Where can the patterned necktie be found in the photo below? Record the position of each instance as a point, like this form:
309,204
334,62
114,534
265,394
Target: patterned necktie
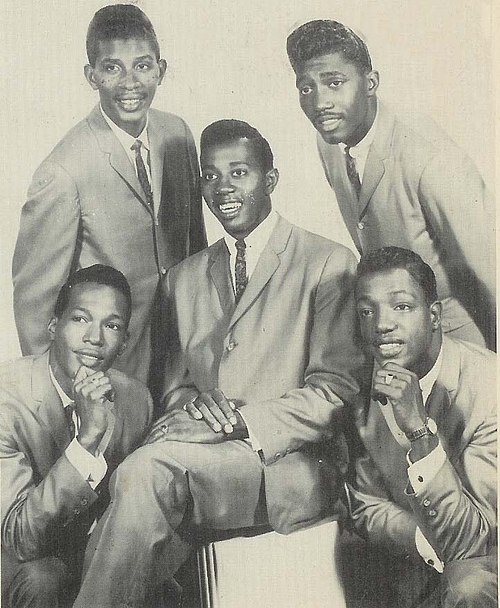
352,172
68,412
141,172
240,270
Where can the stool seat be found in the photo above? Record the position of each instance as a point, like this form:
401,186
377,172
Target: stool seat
272,570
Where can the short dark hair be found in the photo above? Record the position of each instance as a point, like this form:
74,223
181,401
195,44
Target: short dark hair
119,22
98,273
389,258
323,36
230,130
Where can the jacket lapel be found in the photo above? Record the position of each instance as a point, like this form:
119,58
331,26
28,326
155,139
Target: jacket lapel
118,159
220,272
49,409
267,265
156,156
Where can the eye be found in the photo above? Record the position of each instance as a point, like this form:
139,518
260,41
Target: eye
209,177
79,319
403,307
143,66
239,172
305,90
114,326
112,68
365,312
333,84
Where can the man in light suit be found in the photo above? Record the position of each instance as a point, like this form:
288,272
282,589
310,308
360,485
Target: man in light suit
99,198
424,496
261,364
66,421
398,185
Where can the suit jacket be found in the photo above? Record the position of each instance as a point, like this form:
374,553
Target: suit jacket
285,353
86,206
456,510
421,192
47,506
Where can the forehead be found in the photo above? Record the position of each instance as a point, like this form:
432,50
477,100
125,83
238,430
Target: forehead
124,49
229,153
327,64
98,299
387,284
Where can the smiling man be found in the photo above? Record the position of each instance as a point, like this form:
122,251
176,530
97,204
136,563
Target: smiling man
425,490
121,188
260,367
397,183
66,421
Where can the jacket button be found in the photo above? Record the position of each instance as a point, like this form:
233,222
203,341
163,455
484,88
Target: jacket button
231,346
84,501
163,270
432,513
361,225
277,455
426,502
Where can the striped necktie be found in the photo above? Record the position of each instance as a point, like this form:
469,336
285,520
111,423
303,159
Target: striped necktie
352,172
240,269
142,174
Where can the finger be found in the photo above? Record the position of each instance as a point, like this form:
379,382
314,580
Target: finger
99,393
211,402
225,406
89,380
397,370
192,410
81,373
209,418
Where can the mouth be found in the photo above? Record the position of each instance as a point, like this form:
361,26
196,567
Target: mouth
230,208
388,350
328,122
129,104
89,358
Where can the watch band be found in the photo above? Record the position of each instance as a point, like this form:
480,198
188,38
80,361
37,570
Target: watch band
423,430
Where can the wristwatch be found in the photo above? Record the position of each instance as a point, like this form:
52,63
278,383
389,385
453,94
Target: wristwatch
429,428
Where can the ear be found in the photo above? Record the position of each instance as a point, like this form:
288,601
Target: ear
124,345
89,72
435,310
372,81
272,178
163,69
51,328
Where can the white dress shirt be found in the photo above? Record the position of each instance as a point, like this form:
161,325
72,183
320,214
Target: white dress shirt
91,468
359,152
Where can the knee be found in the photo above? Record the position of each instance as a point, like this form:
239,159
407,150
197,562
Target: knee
39,584
470,588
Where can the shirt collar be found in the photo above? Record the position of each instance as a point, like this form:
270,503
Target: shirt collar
258,238
125,138
428,381
362,147
62,395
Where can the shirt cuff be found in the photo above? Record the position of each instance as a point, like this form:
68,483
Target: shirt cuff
426,552
423,471
91,468
252,439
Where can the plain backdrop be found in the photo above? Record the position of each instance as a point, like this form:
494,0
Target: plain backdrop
227,59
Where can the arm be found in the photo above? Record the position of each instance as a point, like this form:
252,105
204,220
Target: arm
309,413
44,252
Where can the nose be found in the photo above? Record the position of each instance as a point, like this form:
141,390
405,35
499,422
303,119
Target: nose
323,99
225,185
385,322
129,79
94,334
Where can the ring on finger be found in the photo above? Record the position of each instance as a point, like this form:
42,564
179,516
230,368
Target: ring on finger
164,428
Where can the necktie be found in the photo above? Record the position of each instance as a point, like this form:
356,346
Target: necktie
68,412
141,172
352,172
240,270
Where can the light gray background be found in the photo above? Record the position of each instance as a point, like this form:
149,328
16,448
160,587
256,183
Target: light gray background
227,59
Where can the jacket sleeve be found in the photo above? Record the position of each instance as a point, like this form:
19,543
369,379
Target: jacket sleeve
44,252
461,214
32,511
460,521
308,413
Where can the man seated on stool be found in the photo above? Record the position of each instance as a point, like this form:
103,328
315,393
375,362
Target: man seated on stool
52,480
425,490
261,363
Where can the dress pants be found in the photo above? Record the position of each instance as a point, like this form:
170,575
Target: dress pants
160,495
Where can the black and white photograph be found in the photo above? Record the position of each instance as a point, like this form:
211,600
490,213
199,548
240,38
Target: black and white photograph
248,268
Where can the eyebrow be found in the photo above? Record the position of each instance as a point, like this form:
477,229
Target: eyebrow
136,59
113,315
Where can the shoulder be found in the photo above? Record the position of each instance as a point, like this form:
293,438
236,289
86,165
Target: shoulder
318,249
132,397
196,264
16,378
173,124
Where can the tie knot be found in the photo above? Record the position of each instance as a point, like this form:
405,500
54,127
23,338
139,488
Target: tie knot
241,245
136,146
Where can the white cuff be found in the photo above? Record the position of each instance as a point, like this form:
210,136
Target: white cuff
424,470
91,468
426,551
252,439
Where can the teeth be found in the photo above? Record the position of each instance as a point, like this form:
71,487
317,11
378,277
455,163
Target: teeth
390,348
229,207
129,103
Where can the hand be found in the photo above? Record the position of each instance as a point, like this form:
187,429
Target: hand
215,409
179,426
93,394
402,388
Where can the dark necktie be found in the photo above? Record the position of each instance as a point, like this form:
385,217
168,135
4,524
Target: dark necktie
352,172
142,174
240,270
68,412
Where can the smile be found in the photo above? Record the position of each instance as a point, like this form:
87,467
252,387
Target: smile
230,208
130,104
88,358
388,350
328,122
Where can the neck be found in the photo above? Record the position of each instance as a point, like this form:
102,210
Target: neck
64,382
424,366
365,126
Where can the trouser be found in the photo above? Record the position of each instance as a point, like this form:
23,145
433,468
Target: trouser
374,579
159,495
